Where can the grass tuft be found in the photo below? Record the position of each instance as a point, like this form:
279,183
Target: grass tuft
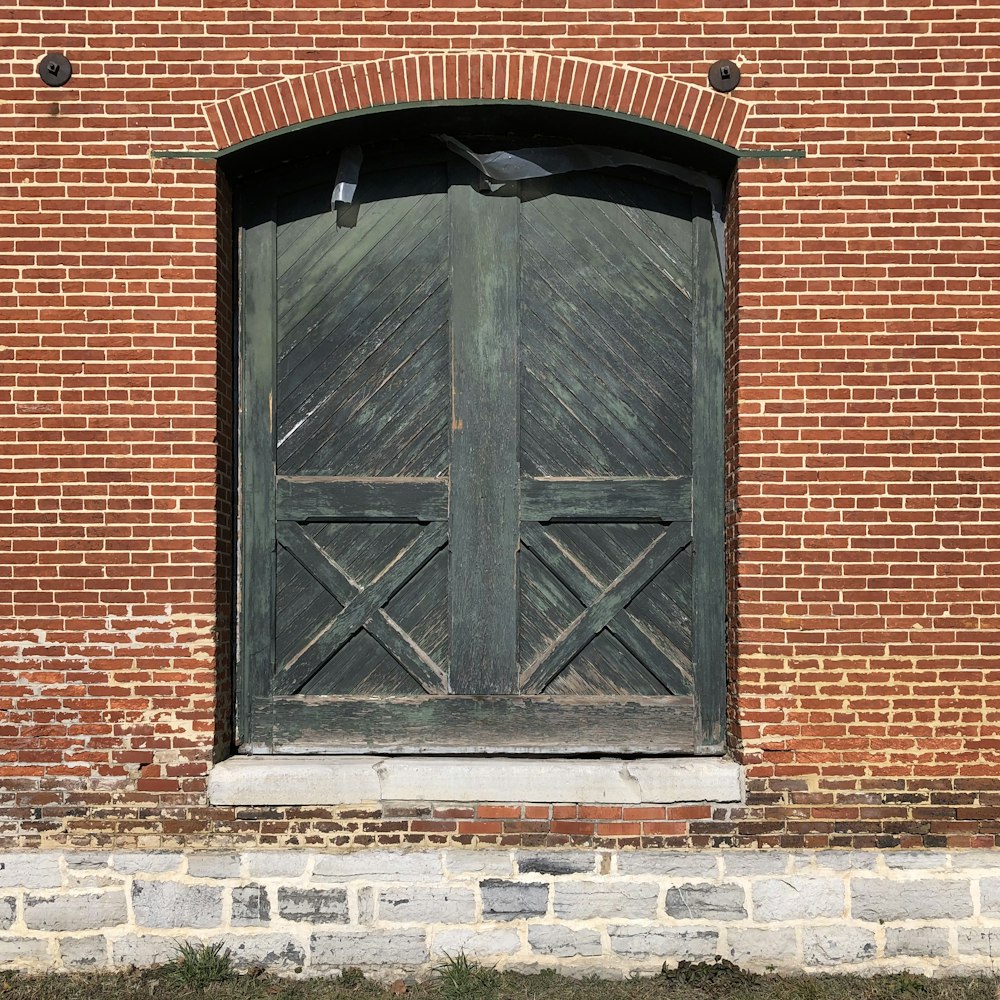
460,979
199,965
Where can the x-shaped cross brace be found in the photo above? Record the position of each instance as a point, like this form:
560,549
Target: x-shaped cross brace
363,608
604,605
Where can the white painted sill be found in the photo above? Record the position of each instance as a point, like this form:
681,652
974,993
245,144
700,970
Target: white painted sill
329,781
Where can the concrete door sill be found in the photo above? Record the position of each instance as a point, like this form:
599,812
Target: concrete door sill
328,781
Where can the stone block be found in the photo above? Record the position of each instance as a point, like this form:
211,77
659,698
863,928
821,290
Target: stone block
616,900
87,861
30,871
556,862
837,861
146,862
82,911
8,910
84,952
513,900
981,941
989,897
170,904
483,945
983,860
760,948
664,944
313,906
675,864
879,900
205,865
917,860
144,950
797,897
366,904
22,950
427,905
702,901
275,864
750,863
268,951
251,906
381,866
369,948
564,942
826,946
916,942
475,863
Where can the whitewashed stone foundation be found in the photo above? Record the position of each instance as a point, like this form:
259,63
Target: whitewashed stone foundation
583,912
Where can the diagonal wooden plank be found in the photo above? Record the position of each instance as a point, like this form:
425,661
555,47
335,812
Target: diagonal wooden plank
665,664
360,609
383,629
537,675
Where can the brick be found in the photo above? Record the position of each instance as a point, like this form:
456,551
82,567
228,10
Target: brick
587,900
513,900
169,904
314,906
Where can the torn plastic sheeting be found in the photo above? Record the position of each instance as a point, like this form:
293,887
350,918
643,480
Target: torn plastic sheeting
348,170
505,166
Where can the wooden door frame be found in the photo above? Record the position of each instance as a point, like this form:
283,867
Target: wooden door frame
254,364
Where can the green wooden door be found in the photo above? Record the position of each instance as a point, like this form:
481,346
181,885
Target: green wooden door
481,465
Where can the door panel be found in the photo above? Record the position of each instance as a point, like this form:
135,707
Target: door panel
471,469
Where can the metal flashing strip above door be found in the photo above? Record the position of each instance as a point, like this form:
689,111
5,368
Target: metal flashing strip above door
481,461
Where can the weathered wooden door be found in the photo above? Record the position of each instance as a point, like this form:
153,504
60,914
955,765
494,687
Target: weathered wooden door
481,458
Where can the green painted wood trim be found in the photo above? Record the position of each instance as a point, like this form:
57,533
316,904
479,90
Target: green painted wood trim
709,580
255,421
498,724
484,438
539,674
612,499
318,498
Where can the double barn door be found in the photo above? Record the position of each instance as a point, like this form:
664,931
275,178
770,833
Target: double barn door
481,465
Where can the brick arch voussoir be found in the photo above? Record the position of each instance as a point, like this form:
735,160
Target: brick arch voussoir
521,76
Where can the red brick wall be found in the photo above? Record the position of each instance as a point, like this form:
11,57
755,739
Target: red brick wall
864,390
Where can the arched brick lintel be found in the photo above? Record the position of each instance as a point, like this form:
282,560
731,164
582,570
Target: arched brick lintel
520,76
